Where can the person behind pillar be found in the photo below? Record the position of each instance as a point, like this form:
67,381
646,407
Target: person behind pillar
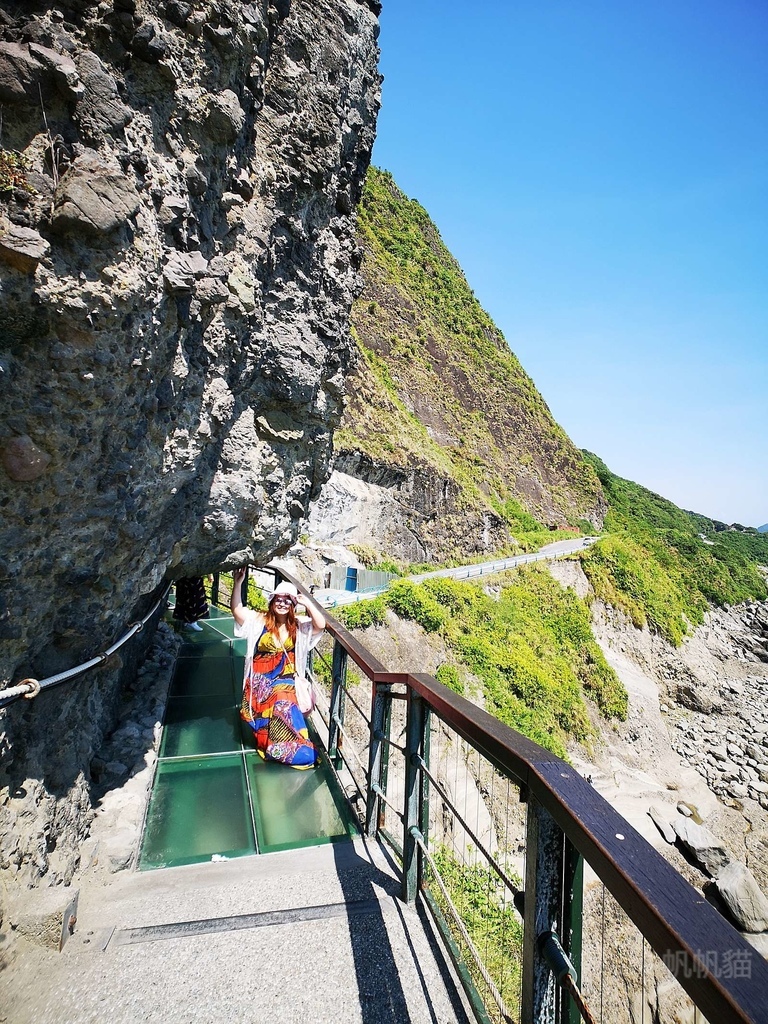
191,602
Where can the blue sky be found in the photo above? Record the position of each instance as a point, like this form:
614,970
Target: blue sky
600,171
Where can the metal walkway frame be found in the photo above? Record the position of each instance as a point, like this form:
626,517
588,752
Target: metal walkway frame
569,824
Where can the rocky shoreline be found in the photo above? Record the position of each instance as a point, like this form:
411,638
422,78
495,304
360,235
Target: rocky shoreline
712,692
730,749
694,746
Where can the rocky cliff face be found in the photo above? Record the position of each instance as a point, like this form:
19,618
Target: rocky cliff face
413,512
444,435
177,265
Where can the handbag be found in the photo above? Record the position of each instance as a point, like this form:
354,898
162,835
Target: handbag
305,694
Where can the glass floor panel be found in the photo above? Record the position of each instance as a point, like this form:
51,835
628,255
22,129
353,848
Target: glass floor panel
199,807
296,808
224,626
200,725
212,794
209,648
217,613
208,634
195,677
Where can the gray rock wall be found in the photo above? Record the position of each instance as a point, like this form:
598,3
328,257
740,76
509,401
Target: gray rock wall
411,513
177,265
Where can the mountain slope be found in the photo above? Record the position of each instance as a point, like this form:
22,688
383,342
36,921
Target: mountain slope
665,566
439,409
447,449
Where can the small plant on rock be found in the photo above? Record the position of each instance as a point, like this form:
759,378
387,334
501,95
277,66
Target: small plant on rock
12,172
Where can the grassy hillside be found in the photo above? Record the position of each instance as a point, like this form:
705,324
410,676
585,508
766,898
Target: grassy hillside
437,392
663,565
531,645
436,385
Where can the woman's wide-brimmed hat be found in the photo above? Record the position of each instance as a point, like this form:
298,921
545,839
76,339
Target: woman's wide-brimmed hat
285,590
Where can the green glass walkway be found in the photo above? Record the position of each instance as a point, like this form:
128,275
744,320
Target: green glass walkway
213,797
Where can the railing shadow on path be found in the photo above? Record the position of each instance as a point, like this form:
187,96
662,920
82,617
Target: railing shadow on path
388,990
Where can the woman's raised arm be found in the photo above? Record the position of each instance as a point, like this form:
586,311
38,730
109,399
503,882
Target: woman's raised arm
314,612
236,605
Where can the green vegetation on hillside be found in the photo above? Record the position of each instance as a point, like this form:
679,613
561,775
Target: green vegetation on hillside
409,245
663,566
484,906
437,393
437,387
532,647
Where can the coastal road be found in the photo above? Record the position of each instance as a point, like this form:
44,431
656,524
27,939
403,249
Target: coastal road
334,598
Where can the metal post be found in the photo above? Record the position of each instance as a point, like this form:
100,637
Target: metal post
338,683
215,589
385,750
424,825
414,797
378,757
571,939
540,1003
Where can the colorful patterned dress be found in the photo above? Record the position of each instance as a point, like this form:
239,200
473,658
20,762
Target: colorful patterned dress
269,704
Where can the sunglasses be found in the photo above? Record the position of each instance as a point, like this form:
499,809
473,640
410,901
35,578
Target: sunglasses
283,600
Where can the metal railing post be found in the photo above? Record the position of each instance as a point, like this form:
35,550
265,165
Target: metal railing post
573,918
414,796
424,824
540,998
386,692
336,712
378,757
215,589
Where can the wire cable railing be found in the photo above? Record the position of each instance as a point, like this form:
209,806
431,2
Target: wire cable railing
30,688
498,999
514,889
568,825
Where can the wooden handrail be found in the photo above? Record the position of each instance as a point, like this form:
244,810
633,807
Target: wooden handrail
675,918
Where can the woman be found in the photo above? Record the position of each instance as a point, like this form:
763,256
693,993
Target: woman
278,645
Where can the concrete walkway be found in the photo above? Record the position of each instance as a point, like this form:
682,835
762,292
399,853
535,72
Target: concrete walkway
315,934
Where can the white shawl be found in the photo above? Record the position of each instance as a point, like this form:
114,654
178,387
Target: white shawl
253,626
